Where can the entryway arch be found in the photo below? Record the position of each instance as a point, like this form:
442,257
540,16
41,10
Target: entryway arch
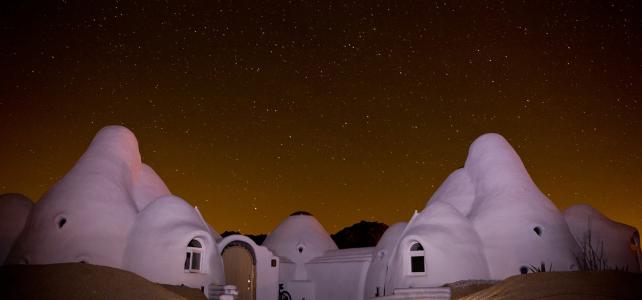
239,262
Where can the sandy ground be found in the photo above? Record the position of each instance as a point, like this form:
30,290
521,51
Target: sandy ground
565,285
83,281
463,288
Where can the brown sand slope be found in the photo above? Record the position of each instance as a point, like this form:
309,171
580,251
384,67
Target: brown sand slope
82,281
566,285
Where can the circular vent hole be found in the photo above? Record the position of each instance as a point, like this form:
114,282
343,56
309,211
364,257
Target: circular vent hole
538,230
61,221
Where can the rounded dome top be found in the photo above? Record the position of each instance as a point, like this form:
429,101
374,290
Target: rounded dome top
158,241
583,212
389,238
300,237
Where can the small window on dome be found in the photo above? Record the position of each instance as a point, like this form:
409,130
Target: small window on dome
193,256
538,230
61,220
194,243
417,259
416,247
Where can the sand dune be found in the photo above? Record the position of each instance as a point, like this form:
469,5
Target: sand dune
566,285
83,281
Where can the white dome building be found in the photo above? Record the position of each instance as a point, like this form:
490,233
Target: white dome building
170,243
518,226
616,245
87,215
377,271
299,238
14,211
111,209
439,245
487,220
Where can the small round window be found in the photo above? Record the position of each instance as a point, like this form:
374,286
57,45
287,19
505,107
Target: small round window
61,221
538,230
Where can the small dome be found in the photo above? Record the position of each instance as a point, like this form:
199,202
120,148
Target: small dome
616,240
158,241
390,237
300,237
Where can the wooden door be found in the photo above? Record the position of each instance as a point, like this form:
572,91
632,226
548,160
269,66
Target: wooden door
240,271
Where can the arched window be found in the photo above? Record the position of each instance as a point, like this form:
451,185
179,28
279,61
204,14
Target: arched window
417,259
193,256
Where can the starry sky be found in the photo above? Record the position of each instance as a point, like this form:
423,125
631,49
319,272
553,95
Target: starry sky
349,110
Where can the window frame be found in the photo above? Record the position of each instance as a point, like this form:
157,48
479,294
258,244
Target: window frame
190,257
412,253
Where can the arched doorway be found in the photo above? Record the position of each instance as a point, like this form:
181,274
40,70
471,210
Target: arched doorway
240,269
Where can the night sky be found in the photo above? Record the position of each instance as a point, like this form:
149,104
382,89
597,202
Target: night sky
351,111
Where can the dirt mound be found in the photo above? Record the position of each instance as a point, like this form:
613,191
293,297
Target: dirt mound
83,281
566,285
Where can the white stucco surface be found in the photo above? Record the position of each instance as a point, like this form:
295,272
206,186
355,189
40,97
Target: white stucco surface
299,231
505,207
111,209
380,261
94,200
452,250
158,240
616,241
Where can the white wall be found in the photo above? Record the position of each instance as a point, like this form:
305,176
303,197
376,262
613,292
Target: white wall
452,250
612,237
95,199
340,274
380,261
157,245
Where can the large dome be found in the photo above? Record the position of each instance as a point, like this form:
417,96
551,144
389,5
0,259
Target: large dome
87,215
493,190
300,238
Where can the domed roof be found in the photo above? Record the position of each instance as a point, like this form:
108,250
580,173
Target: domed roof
451,243
159,238
390,237
615,239
493,189
300,237
87,214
